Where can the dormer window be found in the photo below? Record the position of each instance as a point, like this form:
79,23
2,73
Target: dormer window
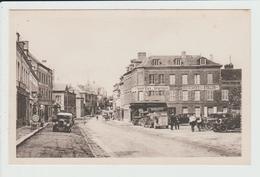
177,61
156,62
202,61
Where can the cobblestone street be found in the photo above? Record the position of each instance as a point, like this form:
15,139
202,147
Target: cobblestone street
55,144
100,138
121,139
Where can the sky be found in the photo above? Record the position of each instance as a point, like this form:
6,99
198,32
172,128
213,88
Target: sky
97,45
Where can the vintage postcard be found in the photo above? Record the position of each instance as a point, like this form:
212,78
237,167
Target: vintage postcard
130,86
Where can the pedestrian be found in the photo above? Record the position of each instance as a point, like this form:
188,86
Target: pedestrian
97,117
192,120
177,122
199,123
173,120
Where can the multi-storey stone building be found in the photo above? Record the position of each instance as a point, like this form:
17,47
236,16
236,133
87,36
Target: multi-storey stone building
179,83
27,84
45,81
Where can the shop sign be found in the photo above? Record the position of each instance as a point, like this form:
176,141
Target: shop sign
150,88
200,87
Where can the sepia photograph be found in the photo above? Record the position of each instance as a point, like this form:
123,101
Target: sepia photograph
139,85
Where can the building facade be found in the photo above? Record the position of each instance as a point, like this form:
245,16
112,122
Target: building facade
179,83
65,98
91,103
22,84
45,83
231,89
80,102
27,84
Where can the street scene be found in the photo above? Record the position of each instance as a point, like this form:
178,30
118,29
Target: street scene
82,94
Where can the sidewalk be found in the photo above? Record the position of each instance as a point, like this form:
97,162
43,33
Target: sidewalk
26,132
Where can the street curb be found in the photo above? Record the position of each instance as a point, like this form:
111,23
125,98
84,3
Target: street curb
24,138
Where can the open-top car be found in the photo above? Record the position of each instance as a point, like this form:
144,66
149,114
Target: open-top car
63,122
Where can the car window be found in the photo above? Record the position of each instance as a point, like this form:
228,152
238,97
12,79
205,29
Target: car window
63,117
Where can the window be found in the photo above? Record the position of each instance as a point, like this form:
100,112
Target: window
197,111
140,96
197,95
185,110
224,95
202,61
161,78
209,95
177,61
151,78
210,78
185,95
172,79
160,93
185,79
156,62
225,110
151,93
58,99
210,110
172,95
196,79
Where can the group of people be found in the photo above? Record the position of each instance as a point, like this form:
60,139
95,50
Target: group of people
193,121
175,121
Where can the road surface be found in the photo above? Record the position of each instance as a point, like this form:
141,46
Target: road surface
55,144
100,138
120,139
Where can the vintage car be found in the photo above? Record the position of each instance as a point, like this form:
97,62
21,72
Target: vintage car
221,122
63,122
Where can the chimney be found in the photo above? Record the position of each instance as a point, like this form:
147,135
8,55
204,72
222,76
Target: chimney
141,55
17,37
211,57
183,54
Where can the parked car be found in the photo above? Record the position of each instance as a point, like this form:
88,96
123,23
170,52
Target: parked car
63,122
221,122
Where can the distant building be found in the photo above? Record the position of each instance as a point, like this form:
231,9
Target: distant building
176,83
65,98
231,89
80,101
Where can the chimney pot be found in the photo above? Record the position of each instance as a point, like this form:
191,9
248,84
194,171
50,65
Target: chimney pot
183,54
141,55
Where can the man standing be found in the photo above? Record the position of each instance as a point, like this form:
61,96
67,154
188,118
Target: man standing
177,122
173,120
192,120
199,123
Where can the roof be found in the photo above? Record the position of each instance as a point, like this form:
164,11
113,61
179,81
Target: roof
167,61
62,87
38,62
25,57
231,74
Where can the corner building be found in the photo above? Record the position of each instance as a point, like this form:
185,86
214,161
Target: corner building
178,83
